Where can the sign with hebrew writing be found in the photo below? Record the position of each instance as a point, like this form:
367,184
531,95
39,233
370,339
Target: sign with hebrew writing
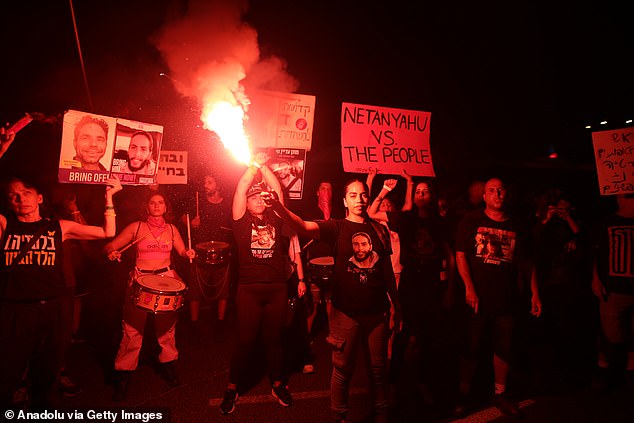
614,156
172,168
390,140
281,120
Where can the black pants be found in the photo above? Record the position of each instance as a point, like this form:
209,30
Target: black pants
260,307
33,338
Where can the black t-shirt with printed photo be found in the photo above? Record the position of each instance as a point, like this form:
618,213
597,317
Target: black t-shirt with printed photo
262,255
357,289
495,251
613,239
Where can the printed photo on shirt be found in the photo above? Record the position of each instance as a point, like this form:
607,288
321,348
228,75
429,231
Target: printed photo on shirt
364,258
262,240
495,246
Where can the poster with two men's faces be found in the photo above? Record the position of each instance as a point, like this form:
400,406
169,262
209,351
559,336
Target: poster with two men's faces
95,147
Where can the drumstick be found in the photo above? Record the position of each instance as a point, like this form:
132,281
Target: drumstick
197,211
133,242
189,231
307,244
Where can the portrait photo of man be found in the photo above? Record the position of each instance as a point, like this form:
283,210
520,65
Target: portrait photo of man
90,141
140,151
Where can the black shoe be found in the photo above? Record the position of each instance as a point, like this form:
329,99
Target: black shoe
506,405
169,372
228,404
121,384
67,387
281,394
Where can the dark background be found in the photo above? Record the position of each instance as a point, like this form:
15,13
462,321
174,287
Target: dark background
507,83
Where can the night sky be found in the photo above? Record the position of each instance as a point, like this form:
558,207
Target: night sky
506,82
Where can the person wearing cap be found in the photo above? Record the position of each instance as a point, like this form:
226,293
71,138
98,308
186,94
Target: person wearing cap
263,272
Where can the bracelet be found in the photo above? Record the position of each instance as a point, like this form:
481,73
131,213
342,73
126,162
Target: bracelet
109,207
256,165
75,212
300,280
378,198
107,214
386,187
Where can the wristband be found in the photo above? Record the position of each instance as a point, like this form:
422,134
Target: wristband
113,214
75,212
108,208
386,187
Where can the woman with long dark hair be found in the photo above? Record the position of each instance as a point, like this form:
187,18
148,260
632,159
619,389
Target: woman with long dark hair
362,289
264,269
428,265
154,240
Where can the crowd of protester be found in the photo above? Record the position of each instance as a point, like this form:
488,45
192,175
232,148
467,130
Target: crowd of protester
488,274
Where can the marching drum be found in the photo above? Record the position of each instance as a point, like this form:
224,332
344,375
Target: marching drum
213,252
320,270
158,294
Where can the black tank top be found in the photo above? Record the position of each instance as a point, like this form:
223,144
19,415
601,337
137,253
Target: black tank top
39,274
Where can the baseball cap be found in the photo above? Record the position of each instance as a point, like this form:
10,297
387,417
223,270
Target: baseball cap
255,189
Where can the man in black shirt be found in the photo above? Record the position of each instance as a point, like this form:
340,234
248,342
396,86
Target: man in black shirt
491,251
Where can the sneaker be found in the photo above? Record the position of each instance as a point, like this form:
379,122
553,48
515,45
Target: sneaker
67,387
228,404
169,371
308,368
506,405
281,394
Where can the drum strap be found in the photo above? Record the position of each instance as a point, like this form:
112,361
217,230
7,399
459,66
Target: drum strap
155,271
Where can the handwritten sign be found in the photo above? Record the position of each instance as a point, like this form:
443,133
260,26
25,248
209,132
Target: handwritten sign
390,140
614,156
172,168
281,120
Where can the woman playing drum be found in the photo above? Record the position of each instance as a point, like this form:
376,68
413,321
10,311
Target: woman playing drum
154,240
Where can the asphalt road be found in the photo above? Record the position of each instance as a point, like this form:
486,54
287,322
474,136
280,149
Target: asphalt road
203,369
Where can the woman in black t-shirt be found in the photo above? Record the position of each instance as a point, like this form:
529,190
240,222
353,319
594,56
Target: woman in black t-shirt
263,272
363,278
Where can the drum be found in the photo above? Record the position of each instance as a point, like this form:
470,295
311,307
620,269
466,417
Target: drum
158,294
320,270
213,252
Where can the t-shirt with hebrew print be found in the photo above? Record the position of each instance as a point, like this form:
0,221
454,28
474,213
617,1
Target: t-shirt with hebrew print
613,239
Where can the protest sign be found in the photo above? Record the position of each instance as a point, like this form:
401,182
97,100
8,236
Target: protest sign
94,147
281,120
614,156
172,168
289,166
137,151
390,140
87,146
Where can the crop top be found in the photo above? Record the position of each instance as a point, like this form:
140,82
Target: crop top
155,248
